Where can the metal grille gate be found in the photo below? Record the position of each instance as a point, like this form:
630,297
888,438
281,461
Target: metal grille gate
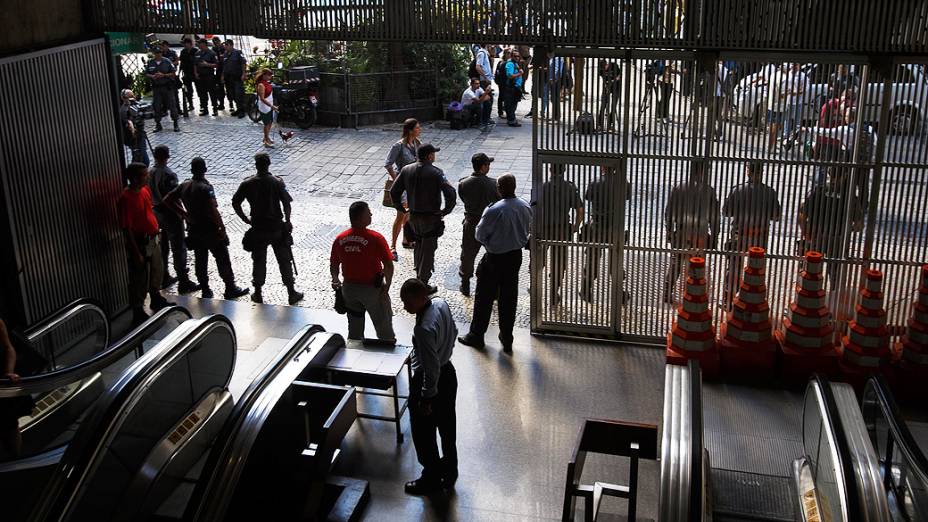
617,130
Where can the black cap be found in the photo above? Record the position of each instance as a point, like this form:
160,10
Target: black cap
427,149
156,48
480,159
198,165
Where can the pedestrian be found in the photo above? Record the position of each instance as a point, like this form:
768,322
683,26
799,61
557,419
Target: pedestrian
827,148
691,221
266,107
555,73
424,184
133,127
775,81
432,390
220,52
558,198
478,104
188,65
610,73
503,231
162,180
160,71
143,253
11,408
403,152
482,64
366,266
266,194
847,140
205,74
606,196
477,192
752,206
664,72
171,55
194,201
721,95
795,90
501,82
512,89
234,70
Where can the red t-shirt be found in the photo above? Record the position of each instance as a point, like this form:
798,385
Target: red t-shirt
134,211
362,254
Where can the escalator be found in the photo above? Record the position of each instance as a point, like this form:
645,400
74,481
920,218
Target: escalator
835,478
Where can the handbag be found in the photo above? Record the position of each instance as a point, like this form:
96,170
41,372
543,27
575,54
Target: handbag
387,198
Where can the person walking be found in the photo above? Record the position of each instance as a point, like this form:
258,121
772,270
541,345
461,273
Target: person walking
266,107
162,180
234,69
424,184
133,127
558,198
433,389
504,231
477,192
266,194
402,153
365,263
606,195
194,201
752,206
205,75
188,65
691,221
140,231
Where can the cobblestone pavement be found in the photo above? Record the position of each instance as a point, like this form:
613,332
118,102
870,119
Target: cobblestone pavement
326,169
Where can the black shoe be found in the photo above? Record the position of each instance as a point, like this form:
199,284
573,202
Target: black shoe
514,124
294,297
433,289
256,296
241,114
186,114
207,293
204,112
222,107
233,292
422,486
176,126
186,286
138,316
506,342
500,114
167,281
215,112
529,115
158,302
158,127
465,287
471,340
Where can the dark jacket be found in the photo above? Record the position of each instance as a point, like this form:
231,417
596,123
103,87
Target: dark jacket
424,184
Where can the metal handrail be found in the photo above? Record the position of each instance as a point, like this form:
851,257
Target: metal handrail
66,312
61,495
227,460
61,377
697,493
681,447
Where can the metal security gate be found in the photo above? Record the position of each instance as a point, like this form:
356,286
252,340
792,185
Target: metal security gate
709,154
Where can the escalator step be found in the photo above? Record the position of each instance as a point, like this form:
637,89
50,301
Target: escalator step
738,495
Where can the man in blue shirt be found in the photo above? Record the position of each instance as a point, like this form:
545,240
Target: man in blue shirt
503,231
432,389
512,91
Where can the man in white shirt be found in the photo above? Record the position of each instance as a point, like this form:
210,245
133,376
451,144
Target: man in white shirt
795,89
774,81
477,102
484,69
721,97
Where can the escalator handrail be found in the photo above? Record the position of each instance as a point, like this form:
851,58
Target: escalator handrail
229,454
80,459
66,312
842,453
696,443
55,379
902,437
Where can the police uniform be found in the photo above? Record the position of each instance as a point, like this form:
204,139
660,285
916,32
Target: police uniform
424,184
477,191
206,80
233,66
557,199
825,222
265,193
161,181
172,55
606,195
188,59
137,143
692,222
162,89
220,51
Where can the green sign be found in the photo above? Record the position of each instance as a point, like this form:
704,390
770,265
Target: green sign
125,43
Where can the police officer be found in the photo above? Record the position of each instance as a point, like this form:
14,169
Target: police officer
133,126
220,52
606,196
162,74
188,61
266,194
234,69
424,184
205,74
751,206
558,198
477,191
161,181
170,54
195,201
691,220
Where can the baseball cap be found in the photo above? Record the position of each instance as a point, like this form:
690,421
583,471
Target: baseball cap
427,149
480,159
156,48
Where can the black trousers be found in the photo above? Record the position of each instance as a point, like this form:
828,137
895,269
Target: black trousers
172,243
469,247
235,90
497,280
206,91
443,420
220,252
512,95
281,252
663,103
188,93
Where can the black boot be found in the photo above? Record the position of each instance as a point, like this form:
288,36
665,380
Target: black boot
256,295
465,286
293,297
158,127
157,301
176,126
186,286
233,291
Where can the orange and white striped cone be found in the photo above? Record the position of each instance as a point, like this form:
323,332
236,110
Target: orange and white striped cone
865,349
747,345
807,340
913,348
692,335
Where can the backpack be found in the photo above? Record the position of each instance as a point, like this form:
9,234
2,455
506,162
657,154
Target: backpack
500,76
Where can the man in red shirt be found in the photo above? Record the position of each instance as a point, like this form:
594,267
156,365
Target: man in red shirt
832,115
140,229
366,265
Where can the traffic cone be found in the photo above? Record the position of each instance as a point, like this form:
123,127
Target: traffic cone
864,351
807,339
747,346
692,335
913,348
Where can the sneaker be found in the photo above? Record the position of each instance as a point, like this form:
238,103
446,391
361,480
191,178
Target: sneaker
206,293
186,286
294,297
465,287
233,292
167,281
471,340
256,296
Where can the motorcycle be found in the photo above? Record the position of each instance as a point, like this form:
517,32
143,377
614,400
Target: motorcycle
297,99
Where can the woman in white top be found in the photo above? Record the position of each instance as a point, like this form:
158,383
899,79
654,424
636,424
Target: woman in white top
266,107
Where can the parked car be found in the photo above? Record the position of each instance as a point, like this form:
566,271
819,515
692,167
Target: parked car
908,97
